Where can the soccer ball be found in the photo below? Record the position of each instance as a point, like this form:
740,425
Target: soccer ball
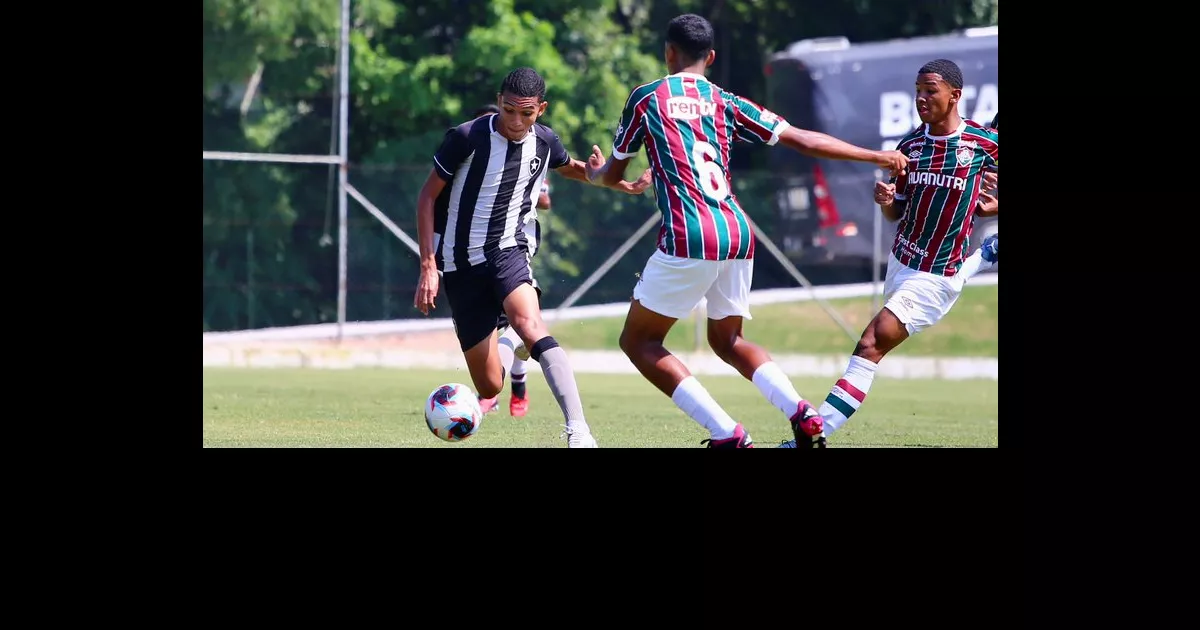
452,412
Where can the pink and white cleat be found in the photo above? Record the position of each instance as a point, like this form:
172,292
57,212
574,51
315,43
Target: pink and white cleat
739,439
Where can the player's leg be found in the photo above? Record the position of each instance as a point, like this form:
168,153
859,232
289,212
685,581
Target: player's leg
972,265
474,312
483,362
982,259
513,349
915,301
518,403
669,288
505,346
883,333
514,280
728,305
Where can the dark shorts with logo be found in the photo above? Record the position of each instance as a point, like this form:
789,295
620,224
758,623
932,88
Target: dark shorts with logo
476,294
534,243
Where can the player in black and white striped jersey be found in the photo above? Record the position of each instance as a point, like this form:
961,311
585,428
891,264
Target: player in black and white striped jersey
494,166
518,403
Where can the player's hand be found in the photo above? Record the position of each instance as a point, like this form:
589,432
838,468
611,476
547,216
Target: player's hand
427,289
990,180
595,162
894,161
988,205
643,182
885,193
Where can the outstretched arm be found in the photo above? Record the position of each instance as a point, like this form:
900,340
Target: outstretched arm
753,123
574,169
607,174
626,143
820,145
577,170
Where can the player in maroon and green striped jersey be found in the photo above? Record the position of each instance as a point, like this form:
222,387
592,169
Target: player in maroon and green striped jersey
988,253
706,244
935,204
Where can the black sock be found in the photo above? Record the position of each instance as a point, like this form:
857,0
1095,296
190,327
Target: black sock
518,385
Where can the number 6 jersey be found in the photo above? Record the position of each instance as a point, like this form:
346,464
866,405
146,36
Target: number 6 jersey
687,124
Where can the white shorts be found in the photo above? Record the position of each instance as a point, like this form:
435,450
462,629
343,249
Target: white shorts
918,298
672,286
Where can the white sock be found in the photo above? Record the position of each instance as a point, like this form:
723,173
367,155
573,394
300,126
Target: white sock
512,339
973,265
777,388
517,378
507,355
848,394
696,402
518,369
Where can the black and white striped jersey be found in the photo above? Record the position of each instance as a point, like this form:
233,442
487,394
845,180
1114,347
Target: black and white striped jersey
493,184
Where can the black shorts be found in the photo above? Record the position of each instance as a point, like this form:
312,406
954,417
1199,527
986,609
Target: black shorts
503,321
533,240
476,294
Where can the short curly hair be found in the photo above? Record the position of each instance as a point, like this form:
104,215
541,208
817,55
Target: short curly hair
524,82
948,69
691,35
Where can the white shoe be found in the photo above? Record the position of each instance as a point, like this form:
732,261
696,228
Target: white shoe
579,440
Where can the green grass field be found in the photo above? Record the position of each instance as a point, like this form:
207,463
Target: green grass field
969,330
383,409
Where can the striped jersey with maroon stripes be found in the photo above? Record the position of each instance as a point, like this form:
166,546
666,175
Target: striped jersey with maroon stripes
688,124
939,193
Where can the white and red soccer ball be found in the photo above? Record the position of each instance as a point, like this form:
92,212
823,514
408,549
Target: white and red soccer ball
452,412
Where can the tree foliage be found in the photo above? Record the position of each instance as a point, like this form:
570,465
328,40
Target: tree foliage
418,68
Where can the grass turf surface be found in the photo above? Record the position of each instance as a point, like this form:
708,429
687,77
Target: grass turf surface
968,330
382,408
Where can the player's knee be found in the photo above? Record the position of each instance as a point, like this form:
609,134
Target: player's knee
881,335
865,348
721,342
529,327
627,342
866,343
632,342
